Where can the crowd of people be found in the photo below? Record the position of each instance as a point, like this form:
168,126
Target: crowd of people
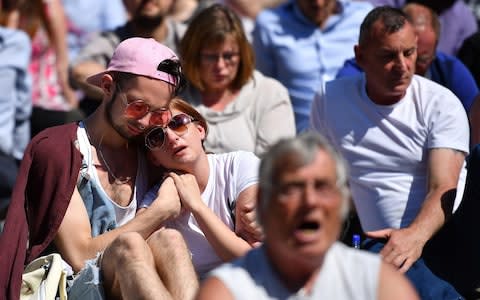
212,149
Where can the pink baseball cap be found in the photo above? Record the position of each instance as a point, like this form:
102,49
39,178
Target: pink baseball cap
140,56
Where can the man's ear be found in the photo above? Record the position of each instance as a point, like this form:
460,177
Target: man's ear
107,85
358,55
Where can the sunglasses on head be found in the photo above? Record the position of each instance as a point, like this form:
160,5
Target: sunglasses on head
155,138
139,109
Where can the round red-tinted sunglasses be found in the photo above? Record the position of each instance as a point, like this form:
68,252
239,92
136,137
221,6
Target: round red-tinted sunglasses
138,109
155,138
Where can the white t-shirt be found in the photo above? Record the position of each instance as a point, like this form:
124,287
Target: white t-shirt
386,146
230,174
346,273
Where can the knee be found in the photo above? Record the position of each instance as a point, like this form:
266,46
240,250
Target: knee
167,238
126,247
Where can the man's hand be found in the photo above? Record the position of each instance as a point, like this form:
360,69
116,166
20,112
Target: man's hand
404,246
167,199
246,225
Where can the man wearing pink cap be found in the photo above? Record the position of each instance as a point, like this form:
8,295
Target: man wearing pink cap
78,186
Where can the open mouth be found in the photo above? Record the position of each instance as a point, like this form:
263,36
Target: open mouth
179,149
307,232
309,226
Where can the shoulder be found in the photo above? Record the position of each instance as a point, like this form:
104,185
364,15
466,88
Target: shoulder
107,36
450,66
429,91
110,38
266,85
54,142
15,47
431,99
446,59
61,131
242,267
100,46
235,158
246,157
347,84
179,28
269,16
356,7
10,37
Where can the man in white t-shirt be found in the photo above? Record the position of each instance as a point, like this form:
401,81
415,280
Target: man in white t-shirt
303,197
405,139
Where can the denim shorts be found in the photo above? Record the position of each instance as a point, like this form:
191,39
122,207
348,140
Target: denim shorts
87,285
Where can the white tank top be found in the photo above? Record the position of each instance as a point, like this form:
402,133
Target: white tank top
123,213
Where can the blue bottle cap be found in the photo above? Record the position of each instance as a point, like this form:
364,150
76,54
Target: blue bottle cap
356,241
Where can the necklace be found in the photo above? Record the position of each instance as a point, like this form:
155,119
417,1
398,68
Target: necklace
117,180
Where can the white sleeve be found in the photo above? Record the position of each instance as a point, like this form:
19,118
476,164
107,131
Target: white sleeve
246,170
449,128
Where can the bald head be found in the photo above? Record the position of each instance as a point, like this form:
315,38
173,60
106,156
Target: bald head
427,27
422,17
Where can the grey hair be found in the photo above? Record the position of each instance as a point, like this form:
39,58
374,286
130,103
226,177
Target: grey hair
295,153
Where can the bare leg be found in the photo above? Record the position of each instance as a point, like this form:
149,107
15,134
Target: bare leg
129,272
174,263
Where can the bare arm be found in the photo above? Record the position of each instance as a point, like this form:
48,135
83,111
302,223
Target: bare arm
74,238
474,117
81,71
226,243
57,27
405,245
394,286
212,288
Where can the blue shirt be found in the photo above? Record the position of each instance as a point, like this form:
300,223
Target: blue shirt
15,95
302,56
90,16
446,70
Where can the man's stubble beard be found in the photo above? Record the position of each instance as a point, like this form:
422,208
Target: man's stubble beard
109,117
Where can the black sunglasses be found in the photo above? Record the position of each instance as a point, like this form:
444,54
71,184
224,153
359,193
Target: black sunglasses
155,138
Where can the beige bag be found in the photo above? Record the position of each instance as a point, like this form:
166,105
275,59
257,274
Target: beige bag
44,279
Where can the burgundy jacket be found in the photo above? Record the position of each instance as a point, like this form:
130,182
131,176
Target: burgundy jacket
45,184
